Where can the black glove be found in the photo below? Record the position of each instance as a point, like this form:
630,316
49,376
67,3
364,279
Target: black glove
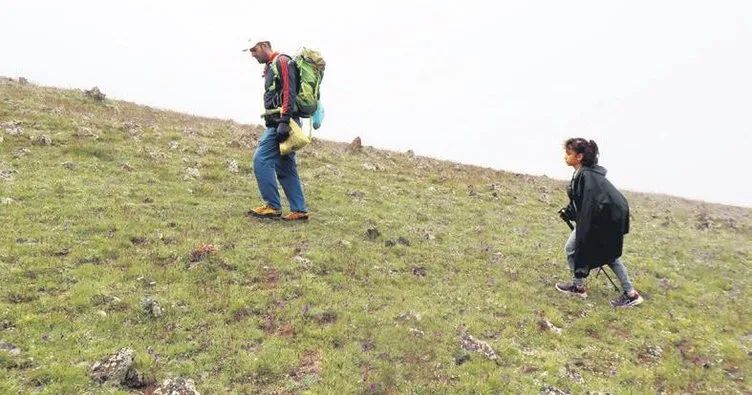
283,131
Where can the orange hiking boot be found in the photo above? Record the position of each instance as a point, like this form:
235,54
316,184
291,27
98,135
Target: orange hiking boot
265,211
296,216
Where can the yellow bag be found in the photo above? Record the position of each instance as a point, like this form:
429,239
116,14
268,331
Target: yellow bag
296,141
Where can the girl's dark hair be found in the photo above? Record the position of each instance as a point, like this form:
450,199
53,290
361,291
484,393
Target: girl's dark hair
588,149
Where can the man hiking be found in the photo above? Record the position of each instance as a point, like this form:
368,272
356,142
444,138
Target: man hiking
269,165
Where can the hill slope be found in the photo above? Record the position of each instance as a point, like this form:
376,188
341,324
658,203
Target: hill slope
407,264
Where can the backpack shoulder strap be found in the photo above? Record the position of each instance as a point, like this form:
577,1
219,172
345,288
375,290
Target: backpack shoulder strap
273,65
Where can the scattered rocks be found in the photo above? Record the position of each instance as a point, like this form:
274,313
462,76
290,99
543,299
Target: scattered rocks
302,260
328,169
152,307
7,200
12,128
232,166
179,386
654,352
173,144
21,152
369,166
355,146
42,140
202,150
469,343
416,332
191,173
69,165
10,348
7,175
570,372
546,325
95,94
551,390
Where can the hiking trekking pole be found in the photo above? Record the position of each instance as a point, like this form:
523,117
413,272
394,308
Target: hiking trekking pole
600,269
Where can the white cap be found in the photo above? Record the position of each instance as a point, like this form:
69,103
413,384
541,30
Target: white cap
252,43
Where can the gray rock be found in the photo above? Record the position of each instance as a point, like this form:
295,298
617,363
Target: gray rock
177,386
12,349
12,128
95,94
232,166
113,368
152,307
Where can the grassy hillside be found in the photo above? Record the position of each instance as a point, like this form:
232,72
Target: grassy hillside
124,226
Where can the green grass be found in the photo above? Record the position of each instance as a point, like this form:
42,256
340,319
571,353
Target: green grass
319,307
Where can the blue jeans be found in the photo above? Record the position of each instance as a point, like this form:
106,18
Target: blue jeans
269,166
616,265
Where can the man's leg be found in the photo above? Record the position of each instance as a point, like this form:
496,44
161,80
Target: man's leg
264,163
287,170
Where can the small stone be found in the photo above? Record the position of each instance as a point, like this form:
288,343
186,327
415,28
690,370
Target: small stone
368,166
345,244
302,260
355,145
95,94
10,348
152,307
232,166
69,165
7,200
42,140
372,234
177,386
356,194
546,325
405,242
192,172
462,358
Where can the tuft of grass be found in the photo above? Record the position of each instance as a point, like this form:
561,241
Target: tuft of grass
402,256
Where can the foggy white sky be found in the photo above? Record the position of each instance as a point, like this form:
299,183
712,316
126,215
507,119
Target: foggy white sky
664,87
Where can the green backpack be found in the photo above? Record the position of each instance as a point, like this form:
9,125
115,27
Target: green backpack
310,65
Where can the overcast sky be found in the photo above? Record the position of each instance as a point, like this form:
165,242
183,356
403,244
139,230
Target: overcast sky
664,87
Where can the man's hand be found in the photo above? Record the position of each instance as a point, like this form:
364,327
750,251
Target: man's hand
283,131
563,214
